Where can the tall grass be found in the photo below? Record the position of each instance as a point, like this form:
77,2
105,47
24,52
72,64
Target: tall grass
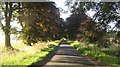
26,55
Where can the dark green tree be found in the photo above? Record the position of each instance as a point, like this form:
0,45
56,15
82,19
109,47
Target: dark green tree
99,25
40,22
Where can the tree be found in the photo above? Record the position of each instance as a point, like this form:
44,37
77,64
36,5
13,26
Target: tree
40,22
8,10
98,27
73,24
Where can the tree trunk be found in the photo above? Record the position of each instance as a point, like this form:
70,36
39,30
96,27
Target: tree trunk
8,15
28,41
7,40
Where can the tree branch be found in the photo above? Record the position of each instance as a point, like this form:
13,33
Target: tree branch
2,26
2,6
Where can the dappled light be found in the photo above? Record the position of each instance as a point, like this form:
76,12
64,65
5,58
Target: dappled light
64,33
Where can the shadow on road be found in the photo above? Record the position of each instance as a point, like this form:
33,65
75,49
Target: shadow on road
65,55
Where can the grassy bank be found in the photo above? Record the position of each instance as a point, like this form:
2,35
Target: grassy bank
95,52
26,55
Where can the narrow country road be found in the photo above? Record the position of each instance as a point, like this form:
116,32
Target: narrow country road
67,56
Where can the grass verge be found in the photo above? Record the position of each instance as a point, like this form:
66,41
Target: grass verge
27,54
101,56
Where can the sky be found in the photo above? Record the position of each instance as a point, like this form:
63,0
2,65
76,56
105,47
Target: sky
61,4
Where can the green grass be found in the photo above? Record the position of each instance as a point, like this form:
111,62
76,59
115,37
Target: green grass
101,56
27,54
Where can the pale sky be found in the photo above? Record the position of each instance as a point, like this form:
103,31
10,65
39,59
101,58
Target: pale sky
61,4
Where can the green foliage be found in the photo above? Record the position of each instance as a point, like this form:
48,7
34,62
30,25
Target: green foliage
30,35
90,39
93,28
108,59
39,23
107,7
57,41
